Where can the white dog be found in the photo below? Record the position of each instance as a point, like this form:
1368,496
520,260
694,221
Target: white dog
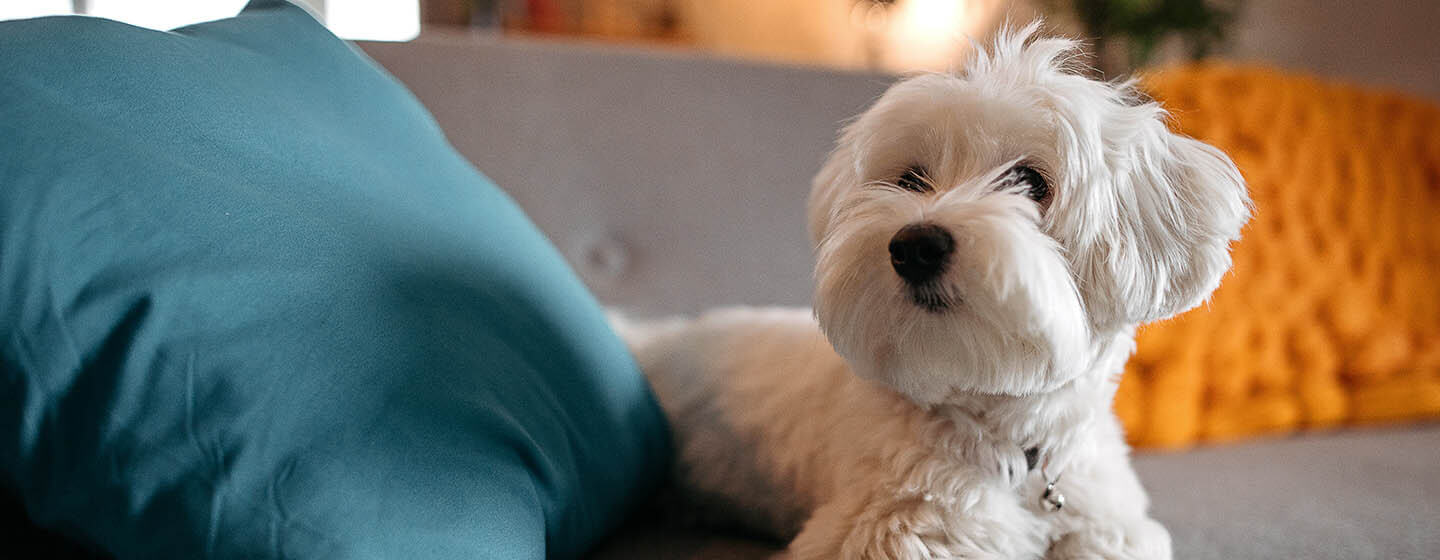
987,244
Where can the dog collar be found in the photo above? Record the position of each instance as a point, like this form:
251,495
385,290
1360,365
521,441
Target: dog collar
1051,499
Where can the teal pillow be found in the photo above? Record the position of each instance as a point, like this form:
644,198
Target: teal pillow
253,305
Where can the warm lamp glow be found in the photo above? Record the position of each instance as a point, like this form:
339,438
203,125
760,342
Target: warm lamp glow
934,34
929,18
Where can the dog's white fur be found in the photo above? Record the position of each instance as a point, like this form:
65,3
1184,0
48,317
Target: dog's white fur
897,431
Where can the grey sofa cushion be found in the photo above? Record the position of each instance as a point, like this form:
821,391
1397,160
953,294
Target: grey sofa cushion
1362,494
1365,493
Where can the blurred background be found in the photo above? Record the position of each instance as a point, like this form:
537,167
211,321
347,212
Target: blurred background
1382,42
1387,43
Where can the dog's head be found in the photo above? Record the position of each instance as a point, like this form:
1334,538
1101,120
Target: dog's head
976,232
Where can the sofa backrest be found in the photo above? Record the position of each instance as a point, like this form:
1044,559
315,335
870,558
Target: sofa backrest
672,182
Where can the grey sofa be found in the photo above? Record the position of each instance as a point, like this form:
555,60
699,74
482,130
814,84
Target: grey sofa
675,183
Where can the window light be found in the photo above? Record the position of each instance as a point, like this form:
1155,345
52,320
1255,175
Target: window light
370,20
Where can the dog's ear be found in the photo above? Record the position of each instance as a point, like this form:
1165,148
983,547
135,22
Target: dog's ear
1180,204
826,188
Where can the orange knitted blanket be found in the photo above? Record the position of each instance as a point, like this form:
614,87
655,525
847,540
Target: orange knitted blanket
1331,315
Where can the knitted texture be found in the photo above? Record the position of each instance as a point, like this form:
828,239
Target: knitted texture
1331,314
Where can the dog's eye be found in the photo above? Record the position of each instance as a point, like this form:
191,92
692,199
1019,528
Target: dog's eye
1037,188
914,179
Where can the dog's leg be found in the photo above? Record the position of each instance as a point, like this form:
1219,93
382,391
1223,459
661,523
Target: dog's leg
980,520
1105,513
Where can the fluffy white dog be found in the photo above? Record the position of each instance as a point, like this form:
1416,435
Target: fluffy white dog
987,244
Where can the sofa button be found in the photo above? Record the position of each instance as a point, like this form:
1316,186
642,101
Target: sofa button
602,259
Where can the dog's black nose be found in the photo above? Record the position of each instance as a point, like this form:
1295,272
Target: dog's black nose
919,252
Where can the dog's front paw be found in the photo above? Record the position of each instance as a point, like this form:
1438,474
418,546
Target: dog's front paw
932,537
870,527
1138,540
